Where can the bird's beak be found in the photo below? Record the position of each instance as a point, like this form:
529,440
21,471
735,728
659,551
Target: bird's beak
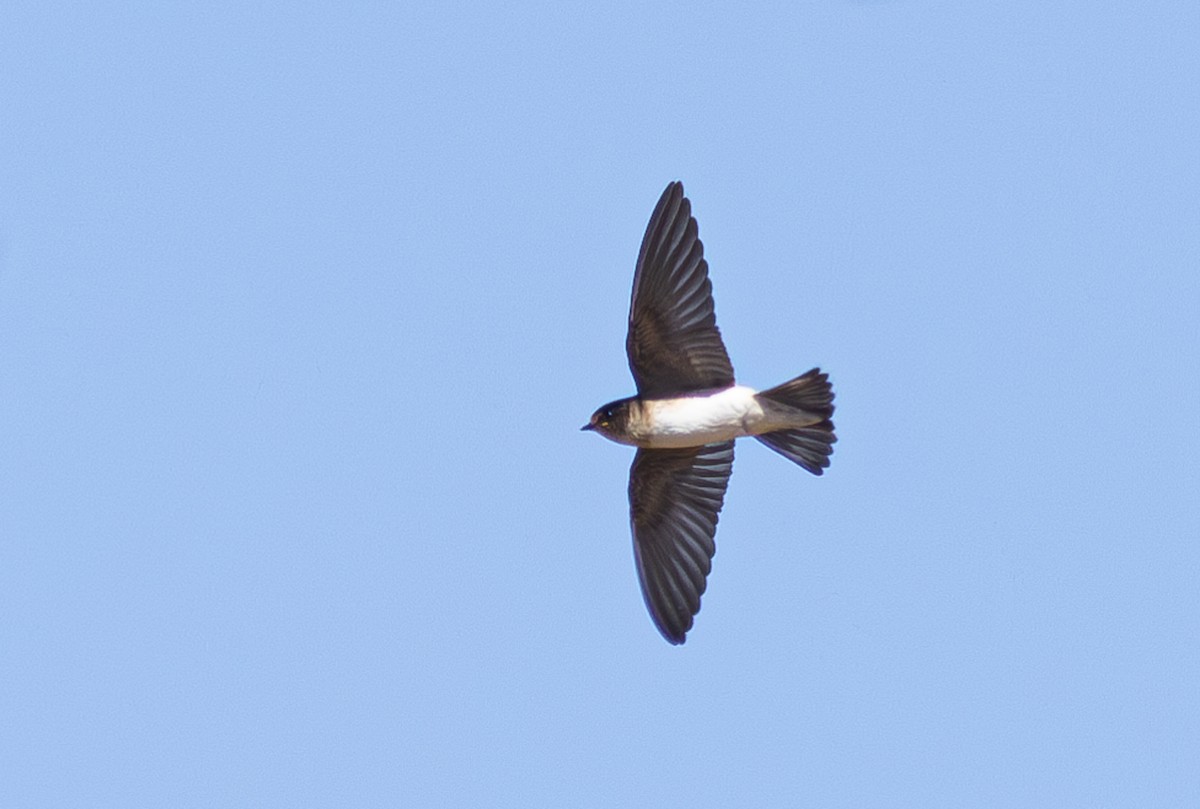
588,426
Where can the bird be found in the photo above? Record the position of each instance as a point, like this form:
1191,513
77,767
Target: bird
687,413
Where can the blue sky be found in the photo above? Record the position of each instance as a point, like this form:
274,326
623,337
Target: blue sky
301,310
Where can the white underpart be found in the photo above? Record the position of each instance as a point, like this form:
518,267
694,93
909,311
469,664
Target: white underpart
691,421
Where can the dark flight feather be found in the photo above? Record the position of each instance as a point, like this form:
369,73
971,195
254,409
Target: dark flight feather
673,343
675,496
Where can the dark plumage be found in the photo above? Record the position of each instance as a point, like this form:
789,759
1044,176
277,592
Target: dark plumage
687,412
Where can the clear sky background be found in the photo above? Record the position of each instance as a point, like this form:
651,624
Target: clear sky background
301,310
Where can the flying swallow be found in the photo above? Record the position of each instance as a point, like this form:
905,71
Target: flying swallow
687,413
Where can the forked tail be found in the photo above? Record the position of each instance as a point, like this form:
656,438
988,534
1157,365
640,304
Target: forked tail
807,403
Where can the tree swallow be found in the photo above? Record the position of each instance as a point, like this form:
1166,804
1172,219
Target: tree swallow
687,413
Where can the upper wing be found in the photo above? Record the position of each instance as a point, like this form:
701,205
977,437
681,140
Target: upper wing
674,498
673,342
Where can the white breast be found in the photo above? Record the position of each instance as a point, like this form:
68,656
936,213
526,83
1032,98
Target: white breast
691,421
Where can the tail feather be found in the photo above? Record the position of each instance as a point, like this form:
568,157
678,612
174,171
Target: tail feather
807,400
810,447
810,391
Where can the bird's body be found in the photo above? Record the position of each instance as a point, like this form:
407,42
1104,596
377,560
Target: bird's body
704,418
687,414
692,421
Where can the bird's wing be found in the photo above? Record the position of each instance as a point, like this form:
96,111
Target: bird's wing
673,343
674,498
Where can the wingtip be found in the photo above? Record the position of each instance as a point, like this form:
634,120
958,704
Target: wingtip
674,640
675,635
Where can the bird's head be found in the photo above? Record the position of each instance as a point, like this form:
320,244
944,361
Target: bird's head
611,420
